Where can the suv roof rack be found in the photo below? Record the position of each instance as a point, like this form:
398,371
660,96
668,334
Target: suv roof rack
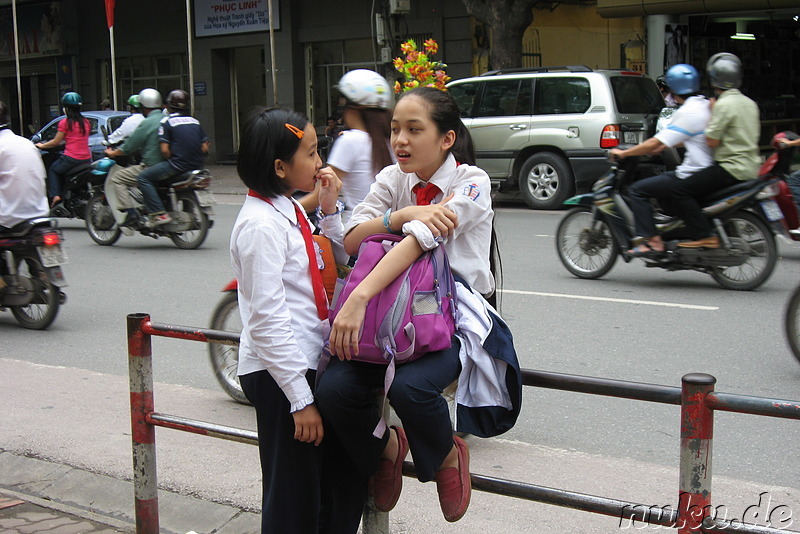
570,68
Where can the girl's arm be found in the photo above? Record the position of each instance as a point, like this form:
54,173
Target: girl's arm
54,142
346,328
440,219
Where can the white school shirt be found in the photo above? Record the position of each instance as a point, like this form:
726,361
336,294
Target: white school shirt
688,126
468,245
352,153
282,332
22,180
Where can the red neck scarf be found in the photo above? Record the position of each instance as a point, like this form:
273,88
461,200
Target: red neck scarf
425,193
320,298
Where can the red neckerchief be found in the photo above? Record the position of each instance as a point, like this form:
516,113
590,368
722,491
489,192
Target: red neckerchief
425,193
316,277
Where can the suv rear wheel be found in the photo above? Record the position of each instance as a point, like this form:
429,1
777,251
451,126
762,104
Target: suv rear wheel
546,181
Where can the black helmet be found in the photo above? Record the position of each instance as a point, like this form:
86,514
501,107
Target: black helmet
178,99
661,82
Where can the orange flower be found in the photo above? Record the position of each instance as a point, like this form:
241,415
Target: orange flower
431,46
397,87
408,46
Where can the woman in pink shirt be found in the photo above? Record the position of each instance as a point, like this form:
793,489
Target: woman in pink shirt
74,130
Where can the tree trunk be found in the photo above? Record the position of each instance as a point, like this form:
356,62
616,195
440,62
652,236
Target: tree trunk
508,19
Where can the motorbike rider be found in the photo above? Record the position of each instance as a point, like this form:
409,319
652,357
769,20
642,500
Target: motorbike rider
184,145
74,130
666,92
732,134
144,139
129,124
22,177
687,127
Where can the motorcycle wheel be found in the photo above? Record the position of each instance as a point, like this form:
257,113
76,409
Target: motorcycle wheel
753,232
42,310
194,237
791,322
100,222
224,358
585,245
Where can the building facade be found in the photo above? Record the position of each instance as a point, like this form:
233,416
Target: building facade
237,63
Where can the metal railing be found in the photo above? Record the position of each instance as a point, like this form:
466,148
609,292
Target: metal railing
696,397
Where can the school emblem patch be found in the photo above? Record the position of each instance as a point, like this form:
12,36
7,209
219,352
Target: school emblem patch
472,191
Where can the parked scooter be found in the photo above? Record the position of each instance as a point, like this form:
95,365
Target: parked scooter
187,198
31,279
601,227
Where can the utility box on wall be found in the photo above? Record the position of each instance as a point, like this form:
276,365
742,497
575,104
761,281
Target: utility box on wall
399,7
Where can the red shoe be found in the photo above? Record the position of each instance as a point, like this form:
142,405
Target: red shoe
387,482
454,485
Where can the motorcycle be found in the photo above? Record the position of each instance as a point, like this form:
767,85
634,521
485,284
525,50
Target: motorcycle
600,228
80,185
225,358
187,198
31,278
777,166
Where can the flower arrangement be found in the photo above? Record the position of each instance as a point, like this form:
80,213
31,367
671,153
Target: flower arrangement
418,69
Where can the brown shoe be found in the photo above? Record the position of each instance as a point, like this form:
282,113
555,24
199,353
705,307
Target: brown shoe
706,242
387,482
454,485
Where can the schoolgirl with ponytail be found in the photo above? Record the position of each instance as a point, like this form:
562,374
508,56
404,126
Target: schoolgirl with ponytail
435,196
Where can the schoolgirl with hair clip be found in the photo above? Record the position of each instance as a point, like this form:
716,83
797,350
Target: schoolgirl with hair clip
435,196
284,309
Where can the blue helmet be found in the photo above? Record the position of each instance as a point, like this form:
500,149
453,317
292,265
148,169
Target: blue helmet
683,79
102,166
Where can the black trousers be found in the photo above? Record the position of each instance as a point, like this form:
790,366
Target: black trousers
639,195
684,201
346,395
301,484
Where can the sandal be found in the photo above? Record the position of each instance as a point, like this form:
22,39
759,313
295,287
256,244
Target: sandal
645,250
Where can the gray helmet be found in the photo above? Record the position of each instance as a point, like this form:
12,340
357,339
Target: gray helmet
724,71
149,98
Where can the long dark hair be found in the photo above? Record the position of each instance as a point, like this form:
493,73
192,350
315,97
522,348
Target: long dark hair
74,115
378,124
445,113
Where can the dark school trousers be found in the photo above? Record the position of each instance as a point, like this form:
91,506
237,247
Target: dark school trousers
347,392
686,194
301,483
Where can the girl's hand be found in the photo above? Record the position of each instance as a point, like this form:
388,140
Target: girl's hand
440,219
330,184
308,425
346,328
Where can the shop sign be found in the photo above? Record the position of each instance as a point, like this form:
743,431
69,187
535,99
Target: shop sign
39,28
226,17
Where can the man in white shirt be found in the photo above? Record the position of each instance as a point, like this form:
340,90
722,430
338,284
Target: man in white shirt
687,127
22,177
128,125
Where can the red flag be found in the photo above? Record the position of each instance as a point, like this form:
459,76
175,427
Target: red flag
110,13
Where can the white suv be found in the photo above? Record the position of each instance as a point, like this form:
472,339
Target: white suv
546,130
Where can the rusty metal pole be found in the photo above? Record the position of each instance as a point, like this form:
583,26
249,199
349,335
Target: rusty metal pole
697,433
143,434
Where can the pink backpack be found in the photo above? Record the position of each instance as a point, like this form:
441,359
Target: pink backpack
412,316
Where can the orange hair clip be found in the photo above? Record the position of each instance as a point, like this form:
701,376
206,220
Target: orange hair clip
294,129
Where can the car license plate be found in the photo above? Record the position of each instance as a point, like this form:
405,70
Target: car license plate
205,198
52,255
631,137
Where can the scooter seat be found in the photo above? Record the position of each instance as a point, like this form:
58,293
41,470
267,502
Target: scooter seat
743,185
25,227
77,170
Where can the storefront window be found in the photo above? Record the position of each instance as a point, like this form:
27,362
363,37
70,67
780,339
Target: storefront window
164,73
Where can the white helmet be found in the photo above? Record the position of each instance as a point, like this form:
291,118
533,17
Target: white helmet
150,98
366,88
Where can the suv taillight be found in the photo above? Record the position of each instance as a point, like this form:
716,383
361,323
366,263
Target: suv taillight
610,137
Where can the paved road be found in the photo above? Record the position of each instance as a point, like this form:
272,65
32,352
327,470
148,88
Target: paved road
65,400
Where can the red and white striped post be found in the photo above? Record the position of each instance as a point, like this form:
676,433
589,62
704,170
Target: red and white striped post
140,372
697,433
